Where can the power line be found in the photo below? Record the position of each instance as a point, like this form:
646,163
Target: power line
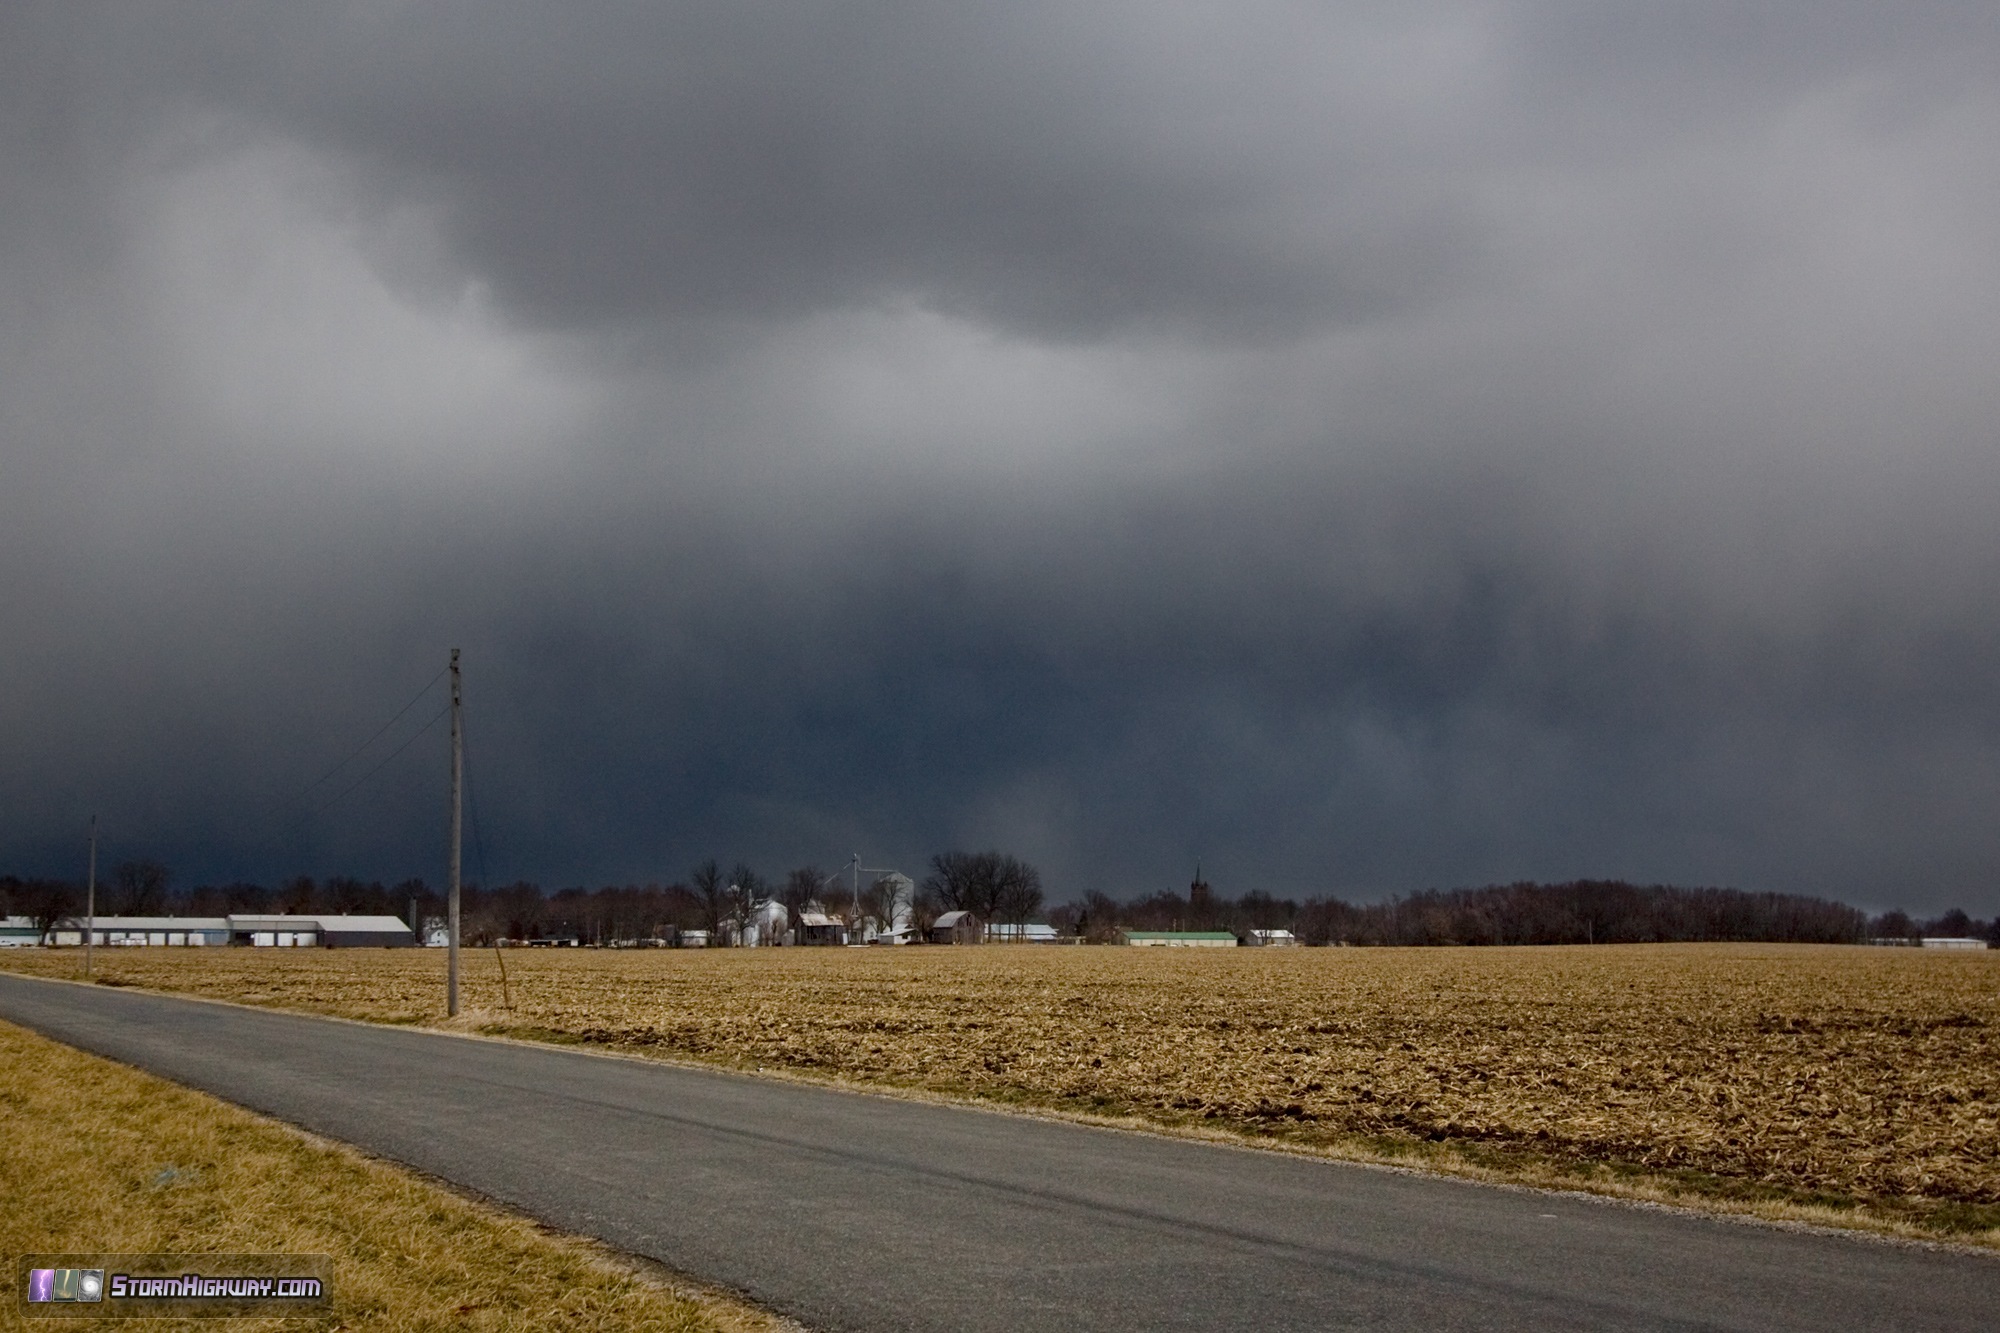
372,739
472,800
314,814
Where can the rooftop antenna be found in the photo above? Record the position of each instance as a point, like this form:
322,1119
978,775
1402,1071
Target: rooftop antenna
451,909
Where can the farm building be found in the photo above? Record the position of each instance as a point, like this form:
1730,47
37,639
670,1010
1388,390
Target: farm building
1270,939
1023,934
956,928
333,932
257,931
768,926
819,928
1952,942
168,930
1182,939
17,931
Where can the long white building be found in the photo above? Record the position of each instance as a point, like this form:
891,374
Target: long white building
255,929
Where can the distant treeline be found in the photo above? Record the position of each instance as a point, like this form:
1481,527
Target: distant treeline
1002,888
147,888
1583,912
516,911
1579,912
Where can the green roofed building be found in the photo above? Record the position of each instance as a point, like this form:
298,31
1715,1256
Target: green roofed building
1182,939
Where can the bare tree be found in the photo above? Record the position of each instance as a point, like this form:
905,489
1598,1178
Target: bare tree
245,897
1019,891
883,901
710,891
522,909
1099,918
957,881
1954,923
296,895
925,908
801,888
141,888
49,902
346,895
744,895
993,886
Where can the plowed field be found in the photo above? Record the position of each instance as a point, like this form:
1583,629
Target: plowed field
1844,1073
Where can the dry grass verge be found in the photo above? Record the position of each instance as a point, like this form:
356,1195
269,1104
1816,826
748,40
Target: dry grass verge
98,1157
1846,1085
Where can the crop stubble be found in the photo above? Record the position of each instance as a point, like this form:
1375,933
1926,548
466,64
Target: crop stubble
1842,1072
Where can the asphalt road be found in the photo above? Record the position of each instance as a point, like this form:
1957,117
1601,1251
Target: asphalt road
852,1212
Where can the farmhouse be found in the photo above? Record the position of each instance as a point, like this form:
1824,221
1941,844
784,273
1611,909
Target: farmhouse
1182,939
1270,939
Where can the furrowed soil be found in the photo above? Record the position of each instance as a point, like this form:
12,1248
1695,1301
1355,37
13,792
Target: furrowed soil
1848,1085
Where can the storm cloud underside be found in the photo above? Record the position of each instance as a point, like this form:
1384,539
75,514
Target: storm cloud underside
1365,447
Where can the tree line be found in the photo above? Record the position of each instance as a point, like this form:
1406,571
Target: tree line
994,885
148,888
999,887
1578,912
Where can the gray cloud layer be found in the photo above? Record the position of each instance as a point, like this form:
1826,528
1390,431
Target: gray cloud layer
1365,448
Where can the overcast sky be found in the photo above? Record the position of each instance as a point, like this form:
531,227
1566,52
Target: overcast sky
1365,447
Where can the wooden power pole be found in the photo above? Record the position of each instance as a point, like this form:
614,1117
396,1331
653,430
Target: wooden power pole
90,900
451,909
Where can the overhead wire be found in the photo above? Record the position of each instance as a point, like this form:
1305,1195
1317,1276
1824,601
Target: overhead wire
413,738
472,801
362,748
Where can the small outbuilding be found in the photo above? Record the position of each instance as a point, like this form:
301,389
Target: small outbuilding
956,927
819,928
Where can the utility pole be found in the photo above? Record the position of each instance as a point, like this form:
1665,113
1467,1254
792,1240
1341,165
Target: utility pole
90,901
854,909
451,910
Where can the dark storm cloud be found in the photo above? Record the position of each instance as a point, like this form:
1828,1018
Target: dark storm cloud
1363,447
1054,167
